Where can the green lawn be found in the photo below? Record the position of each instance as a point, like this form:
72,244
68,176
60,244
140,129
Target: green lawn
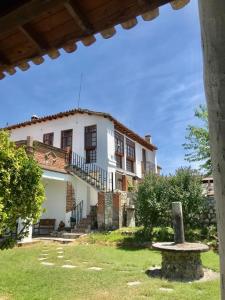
22,276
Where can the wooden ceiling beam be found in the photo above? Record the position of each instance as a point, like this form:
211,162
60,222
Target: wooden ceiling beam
27,12
4,61
34,37
78,17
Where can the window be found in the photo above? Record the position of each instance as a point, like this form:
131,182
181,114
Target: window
90,156
48,138
119,163
90,140
119,144
66,139
130,151
130,165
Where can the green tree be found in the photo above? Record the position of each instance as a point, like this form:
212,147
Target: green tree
21,191
197,142
156,194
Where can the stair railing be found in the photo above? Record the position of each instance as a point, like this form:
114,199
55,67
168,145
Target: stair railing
77,214
91,173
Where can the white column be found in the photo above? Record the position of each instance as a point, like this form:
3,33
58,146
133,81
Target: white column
212,19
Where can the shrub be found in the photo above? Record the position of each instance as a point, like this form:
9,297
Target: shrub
156,194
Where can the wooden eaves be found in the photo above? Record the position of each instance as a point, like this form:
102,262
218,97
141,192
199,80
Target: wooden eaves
30,29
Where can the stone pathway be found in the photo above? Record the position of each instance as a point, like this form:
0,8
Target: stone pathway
133,283
69,266
95,268
47,263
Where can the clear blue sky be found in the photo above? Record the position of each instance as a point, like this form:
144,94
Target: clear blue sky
149,77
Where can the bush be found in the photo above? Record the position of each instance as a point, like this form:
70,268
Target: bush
156,194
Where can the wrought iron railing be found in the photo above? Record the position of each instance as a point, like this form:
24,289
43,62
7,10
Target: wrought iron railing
77,214
91,173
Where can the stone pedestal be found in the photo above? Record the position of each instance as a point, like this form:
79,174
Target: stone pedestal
131,216
181,261
182,266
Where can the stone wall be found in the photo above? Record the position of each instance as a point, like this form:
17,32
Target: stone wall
209,214
115,210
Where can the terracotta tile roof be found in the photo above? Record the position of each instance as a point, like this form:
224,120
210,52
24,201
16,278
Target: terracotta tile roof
118,126
31,29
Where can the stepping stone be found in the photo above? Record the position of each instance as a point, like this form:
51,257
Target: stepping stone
95,268
85,262
69,266
44,254
42,258
60,256
69,260
165,289
47,263
59,248
133,283
60,252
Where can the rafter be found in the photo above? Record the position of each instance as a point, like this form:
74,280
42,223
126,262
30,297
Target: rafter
34,37
78,17
27,12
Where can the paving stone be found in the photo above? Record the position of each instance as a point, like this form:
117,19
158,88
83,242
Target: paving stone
95,268
60,252
60,256
42,258
59,248
68,266
47,263
44,254
133,283
165,289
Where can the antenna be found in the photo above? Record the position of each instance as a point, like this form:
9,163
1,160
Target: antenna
81,79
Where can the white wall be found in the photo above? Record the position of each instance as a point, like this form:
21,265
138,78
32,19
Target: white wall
75,122
55,203
84,192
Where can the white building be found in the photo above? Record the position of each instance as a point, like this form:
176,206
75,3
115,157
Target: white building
103,155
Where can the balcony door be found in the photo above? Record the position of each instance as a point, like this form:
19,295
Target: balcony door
143,161
66,141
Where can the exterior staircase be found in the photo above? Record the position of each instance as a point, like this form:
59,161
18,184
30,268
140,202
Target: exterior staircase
91,173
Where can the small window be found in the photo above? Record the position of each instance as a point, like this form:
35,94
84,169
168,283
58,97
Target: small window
119,144
66,138
91,156
90,143
48,138
90,137
130,149
119,163
130,165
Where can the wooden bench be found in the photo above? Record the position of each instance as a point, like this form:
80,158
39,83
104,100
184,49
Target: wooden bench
45,225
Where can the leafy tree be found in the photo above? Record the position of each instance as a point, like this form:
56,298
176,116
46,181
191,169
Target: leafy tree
21,191
156,194
197,145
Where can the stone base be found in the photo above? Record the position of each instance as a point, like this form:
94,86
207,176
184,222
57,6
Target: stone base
185,266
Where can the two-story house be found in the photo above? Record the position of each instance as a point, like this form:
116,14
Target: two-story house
102,155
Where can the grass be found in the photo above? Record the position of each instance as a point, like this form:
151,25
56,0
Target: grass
22,276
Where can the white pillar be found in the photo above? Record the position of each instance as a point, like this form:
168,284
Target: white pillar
212,19
28,238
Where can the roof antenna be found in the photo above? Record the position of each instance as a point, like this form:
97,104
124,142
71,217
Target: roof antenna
81,79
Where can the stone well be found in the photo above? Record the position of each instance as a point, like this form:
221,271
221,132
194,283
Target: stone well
180,260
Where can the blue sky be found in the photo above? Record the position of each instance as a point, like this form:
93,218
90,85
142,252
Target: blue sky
149,77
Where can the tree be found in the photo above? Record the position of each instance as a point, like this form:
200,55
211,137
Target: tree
156,194
197,145
21,191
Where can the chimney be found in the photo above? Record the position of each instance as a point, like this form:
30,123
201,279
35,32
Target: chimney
148,138
34,117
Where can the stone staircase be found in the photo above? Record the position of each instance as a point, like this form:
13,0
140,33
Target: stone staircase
87,224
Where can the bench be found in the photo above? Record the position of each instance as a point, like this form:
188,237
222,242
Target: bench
44,224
